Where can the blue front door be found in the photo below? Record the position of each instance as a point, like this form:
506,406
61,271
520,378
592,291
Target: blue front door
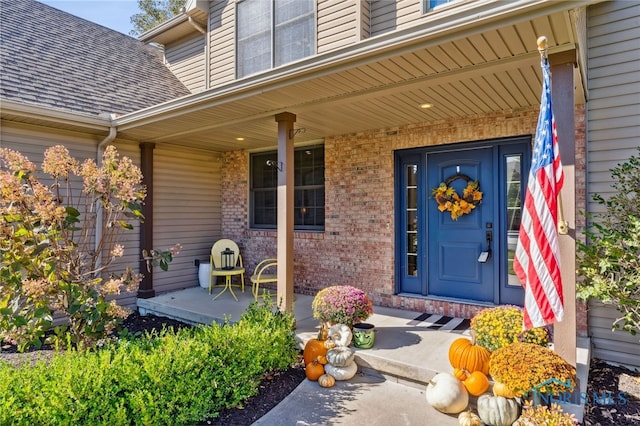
469,257
456,248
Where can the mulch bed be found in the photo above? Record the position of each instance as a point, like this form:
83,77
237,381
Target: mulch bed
604,379
606,407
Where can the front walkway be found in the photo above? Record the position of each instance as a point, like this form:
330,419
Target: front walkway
410,347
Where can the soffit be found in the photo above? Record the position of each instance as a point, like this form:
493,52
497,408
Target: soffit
493,69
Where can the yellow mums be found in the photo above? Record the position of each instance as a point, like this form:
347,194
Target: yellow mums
526,367
497,327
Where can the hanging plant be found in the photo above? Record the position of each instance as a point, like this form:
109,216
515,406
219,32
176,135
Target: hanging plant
450,201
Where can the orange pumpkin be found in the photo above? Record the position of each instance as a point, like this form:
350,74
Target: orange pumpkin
500,389
477,383
322,359
313,349
314,370
460,374
465,354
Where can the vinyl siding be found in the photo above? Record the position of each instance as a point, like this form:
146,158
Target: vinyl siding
613,113
387,15
617,346
222,24
337,24
365,19
187,200
185,59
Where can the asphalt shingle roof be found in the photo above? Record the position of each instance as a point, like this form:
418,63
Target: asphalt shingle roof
51,58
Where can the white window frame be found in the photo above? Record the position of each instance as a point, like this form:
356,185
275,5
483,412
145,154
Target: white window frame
311,15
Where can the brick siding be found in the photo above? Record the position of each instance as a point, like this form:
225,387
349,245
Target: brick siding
357,246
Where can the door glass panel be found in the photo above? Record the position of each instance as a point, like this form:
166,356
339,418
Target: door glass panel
411,214
513,191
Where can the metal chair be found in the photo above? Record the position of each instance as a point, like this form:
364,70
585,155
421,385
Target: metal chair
265,272
226,261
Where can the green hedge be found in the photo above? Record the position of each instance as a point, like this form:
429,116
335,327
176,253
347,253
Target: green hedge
173,378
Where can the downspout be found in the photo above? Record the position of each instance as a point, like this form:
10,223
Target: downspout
207,57
99,155
196,25
204,32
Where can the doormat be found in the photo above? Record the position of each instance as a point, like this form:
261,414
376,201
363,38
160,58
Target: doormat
443,323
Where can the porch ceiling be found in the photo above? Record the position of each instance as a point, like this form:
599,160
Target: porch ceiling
469,73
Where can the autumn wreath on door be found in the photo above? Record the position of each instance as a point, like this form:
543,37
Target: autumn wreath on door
450,201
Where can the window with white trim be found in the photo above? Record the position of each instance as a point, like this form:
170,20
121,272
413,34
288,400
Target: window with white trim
271,33
308,199
432,4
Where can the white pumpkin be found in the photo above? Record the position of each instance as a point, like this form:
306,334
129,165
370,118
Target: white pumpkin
498,410
447,394
342,373
467,418
340,356
340,334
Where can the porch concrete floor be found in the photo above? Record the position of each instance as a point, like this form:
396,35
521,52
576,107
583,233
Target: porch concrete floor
409,349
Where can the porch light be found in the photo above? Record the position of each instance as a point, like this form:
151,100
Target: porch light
227,258
426,106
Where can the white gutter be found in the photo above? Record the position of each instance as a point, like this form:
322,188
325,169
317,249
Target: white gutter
165,26
76,121
113,131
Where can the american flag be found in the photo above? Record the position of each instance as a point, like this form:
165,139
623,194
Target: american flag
537,257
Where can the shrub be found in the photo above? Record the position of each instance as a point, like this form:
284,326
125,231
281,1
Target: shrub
609,261
167,378
53,259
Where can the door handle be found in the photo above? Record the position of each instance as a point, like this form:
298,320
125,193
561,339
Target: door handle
489,237
486,255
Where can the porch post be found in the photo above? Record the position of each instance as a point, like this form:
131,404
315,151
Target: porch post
562,89
285,210
145,290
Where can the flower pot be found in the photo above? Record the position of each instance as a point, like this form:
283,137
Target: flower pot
363,335
204,269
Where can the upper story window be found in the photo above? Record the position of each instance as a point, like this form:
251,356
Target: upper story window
271,33
308,198
432,4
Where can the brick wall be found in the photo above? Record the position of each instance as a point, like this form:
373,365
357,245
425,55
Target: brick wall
357,246
581,201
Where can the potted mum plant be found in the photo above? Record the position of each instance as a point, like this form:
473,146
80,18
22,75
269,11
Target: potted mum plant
495,328
526,369
341,304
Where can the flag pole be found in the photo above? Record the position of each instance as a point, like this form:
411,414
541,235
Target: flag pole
563,225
